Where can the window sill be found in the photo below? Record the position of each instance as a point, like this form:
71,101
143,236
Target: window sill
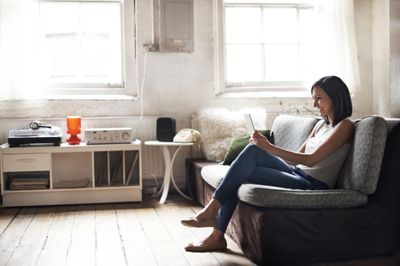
91,97
266,94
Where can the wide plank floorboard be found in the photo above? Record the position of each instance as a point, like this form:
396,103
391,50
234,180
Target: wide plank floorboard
134,238
109,247
122,234
33,239
144,233
233,255
171,214
6,217
12,236
55,249
163,246
82,247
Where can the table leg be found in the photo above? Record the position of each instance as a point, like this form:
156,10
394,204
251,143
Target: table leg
161,188
167,173
172,175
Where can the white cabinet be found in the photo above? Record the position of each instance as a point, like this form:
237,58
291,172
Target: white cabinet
71,174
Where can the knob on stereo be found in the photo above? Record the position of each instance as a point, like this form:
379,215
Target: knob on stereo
108,135
125,135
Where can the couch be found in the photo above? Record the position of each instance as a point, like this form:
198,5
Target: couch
359,218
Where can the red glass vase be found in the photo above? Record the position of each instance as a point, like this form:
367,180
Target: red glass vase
73,128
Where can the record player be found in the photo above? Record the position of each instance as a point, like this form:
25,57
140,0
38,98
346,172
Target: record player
36,134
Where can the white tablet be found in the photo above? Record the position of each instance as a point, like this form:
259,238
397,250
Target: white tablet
249,123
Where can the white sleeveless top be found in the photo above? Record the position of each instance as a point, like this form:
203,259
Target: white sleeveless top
327,169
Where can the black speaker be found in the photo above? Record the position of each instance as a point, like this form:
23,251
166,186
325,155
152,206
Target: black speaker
166,129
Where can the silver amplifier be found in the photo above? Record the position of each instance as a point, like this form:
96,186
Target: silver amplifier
108,135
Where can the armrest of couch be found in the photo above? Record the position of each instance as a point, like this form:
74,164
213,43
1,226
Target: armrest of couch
194,180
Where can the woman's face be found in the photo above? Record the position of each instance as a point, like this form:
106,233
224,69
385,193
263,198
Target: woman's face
322,102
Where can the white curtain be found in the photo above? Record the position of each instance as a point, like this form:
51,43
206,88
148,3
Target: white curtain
19,50
335,48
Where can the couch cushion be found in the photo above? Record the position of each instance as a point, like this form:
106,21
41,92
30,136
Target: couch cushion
213,174
362,167
276,197
291,131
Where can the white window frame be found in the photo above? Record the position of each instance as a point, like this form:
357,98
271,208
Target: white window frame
129,63
220,63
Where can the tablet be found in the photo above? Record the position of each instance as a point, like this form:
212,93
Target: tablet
249,123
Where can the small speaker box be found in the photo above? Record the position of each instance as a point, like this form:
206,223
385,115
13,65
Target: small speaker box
166,129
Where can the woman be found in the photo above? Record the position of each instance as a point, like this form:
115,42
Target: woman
314,166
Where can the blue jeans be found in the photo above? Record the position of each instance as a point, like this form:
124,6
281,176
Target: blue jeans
254,165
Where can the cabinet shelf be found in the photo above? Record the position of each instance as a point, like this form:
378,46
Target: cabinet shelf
71,174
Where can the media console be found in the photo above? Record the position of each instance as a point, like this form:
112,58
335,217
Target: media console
71,174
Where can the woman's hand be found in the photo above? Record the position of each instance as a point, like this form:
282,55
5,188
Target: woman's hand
260,141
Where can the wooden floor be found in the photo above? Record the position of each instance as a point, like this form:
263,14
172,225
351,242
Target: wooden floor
145,233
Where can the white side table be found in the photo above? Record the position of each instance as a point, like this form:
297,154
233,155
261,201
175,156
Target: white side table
169,165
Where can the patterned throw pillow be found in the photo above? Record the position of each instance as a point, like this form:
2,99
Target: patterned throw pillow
219,126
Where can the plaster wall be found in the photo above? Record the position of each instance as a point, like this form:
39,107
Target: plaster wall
180,84
394,58
381,53
363,99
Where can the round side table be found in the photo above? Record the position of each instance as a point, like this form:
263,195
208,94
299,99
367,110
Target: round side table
169,165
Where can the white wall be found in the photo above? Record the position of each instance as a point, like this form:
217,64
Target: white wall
381,53
363,24
179,84
394,12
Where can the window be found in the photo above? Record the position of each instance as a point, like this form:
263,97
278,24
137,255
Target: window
258,52
81,43
278,45
72,47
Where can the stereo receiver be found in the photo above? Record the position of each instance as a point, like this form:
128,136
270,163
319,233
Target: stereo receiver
108,135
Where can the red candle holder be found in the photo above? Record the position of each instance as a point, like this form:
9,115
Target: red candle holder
74,128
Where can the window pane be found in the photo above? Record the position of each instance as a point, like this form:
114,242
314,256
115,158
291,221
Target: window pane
59,17
60,60
306,25
82,42
101,41
280,25
308,48
59,26
268,43
243,25
281,63
244,63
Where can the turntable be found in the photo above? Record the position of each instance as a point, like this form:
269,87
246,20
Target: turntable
36,134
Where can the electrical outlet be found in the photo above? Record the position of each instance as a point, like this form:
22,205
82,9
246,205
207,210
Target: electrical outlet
150,47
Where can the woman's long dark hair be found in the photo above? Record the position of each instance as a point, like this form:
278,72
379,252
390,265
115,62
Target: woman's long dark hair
340,96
